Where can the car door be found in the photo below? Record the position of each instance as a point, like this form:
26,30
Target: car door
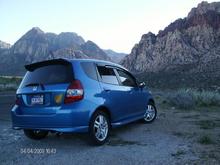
136,95
115,96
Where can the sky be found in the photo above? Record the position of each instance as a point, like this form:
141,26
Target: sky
111,24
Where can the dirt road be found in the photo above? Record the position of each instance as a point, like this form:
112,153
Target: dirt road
171,139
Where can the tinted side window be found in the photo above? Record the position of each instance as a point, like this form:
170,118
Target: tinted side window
126,79
89,69
107,75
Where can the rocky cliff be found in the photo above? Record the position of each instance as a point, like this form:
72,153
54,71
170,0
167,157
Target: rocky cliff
188,46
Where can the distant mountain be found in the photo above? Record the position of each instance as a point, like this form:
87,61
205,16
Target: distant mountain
4,45
92,50
37,45
185,53
115,56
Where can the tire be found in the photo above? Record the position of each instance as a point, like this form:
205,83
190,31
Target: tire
150,113
35,134
99,128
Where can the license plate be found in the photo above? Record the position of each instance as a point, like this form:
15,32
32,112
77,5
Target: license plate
37,99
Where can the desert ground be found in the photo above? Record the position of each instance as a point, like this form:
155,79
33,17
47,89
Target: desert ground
177,136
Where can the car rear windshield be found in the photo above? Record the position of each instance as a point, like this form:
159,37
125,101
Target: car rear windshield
49,74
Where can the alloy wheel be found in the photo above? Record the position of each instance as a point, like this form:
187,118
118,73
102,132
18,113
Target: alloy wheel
150,113
101,127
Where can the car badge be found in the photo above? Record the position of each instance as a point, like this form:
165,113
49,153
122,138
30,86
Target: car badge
34,88
58,98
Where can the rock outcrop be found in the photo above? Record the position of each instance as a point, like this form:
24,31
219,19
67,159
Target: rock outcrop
187,45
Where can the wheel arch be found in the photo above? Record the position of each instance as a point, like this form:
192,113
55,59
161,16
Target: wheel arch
103,109
151,100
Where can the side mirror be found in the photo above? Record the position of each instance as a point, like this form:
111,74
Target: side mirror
142,85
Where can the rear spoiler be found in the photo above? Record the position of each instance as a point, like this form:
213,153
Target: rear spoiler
33,66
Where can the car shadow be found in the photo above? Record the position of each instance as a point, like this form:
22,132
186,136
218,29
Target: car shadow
73,140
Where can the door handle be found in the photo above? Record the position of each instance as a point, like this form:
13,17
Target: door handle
107,89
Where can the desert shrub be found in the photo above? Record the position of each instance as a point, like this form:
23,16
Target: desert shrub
10,79
205,139
206,124
9,83
182,99
207,98
189,98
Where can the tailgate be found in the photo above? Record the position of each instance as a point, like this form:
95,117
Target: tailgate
44,86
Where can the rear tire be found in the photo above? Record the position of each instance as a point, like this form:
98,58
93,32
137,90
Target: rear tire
150,113
35,134
99,128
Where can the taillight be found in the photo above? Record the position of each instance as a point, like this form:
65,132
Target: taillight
74,92
18,100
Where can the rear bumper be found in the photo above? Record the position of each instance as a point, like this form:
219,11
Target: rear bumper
71,129
63,120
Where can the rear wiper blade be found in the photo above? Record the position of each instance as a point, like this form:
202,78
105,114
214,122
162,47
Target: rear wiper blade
35,84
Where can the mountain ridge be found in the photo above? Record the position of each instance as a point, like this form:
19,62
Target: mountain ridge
4,45
36,45
115,56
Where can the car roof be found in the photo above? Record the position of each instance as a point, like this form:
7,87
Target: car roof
66,60
103,62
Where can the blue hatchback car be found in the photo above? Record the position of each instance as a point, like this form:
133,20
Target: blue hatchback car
79,95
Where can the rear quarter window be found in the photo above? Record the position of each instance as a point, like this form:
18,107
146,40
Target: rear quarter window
89,69
50,74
